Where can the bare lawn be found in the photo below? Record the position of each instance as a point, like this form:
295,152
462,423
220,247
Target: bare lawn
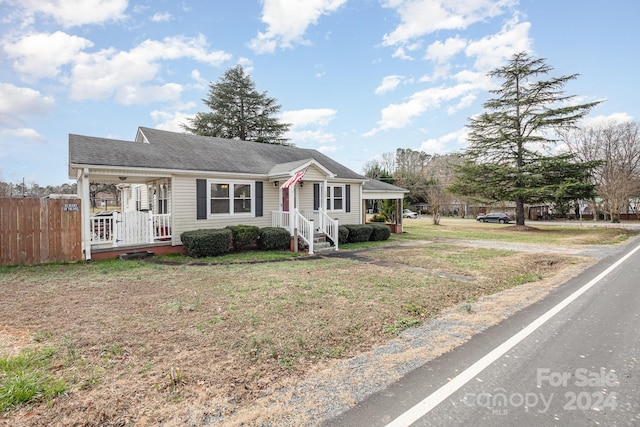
146,343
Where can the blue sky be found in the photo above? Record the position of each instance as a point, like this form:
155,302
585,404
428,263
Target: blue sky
355,78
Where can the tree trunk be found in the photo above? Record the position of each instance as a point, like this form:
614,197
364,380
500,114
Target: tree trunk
519,211
436,217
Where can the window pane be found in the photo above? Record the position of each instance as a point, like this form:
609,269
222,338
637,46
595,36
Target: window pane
219,190
337,204
219,198
242,191
242,198
219,206
241,205
337,192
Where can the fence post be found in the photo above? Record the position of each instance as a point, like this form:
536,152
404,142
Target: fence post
151,231
115,228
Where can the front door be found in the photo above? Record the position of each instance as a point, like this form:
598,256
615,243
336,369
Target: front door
285,200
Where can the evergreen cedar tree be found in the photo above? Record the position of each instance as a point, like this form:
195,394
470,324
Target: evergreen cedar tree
239,111
507,157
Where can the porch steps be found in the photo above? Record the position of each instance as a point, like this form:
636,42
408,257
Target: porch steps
321,245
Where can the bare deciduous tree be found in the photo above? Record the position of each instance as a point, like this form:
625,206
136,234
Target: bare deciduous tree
440,174
409,173
617,146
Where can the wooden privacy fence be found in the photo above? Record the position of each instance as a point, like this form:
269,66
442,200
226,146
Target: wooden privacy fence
36,231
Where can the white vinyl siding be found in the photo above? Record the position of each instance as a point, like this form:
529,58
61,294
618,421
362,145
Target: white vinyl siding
184,208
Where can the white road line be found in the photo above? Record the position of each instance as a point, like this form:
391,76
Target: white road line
425,406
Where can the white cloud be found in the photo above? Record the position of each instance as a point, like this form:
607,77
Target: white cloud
23,133
42,54
441,52
448,143
616,118
288,20
488,53
389,83
129,95
307,124
327,149
421,17
200,82
396,116
161,17
492,51
173,120
309,116
71,13
401,53
17,102
297,136
102,74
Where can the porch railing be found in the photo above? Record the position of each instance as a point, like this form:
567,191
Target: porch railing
129,228
308,222
161,226
324,223
102,229
280,219
305,228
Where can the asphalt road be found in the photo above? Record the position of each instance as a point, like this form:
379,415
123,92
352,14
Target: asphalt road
572,359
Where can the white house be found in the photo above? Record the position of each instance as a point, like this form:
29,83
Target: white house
175,182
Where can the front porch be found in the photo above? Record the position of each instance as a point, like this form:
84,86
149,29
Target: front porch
117,229
307,225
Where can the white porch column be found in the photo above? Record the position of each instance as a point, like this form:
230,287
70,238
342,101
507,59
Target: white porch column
292,214
83,192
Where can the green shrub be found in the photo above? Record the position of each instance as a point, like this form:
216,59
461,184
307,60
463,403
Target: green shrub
243,236
274,239
359,232
206,242
379,218
380,232
343,234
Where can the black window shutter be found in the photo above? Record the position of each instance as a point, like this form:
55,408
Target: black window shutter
259,198
347,195
201,199
316,196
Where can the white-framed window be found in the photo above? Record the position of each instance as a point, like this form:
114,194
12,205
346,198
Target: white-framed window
231,198
335,197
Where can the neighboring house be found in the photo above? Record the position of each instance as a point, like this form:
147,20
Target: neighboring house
176,182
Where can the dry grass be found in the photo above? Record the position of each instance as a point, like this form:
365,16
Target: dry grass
148,344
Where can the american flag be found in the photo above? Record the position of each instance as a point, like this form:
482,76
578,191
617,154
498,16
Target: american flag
294,179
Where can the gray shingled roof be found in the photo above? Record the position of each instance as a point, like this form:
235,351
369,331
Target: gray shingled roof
375,185
182,151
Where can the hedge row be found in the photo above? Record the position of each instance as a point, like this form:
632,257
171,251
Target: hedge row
355,233
216,241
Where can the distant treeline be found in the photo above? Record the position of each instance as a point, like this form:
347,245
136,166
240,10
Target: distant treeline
8,189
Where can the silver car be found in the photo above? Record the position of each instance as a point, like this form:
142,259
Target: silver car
499,217
408,213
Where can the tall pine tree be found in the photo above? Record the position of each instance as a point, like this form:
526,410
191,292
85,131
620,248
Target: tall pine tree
507,142
239,111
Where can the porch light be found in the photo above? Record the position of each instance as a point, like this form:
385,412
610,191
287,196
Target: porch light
275,184
122,178
301,184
